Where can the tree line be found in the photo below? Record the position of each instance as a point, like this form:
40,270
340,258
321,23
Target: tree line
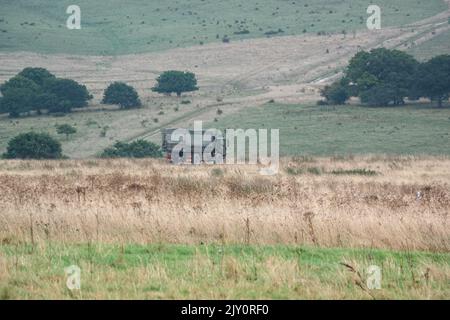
41,145
385,77
36,90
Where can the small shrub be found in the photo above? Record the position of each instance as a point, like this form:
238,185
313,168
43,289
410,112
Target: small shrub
91,122
294,171
144,122
361,172
136,149
217,172
303,159
66,129
315,170
245,31
273,32
337,93
104,131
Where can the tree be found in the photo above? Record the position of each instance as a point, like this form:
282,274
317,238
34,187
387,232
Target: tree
66,129
37,75
33,145
433,79
36,89
390,72
378,95
19,95
69,94
17,101
121,94
18,82
336,93
25,91
45,100
136,149
176,81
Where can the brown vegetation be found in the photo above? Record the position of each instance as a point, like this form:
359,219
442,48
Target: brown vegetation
404,206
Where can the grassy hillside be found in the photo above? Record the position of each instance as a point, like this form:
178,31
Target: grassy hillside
349,129
429,49
96,129
303,129
113,27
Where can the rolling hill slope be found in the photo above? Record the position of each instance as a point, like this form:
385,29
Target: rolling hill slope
111,27
232,76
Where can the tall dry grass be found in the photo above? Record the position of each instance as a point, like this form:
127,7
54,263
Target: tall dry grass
149,201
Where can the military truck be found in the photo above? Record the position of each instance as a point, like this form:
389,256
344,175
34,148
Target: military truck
217,155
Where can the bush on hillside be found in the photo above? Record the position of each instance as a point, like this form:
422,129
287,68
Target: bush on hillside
33,145
66,129
136,149
336,93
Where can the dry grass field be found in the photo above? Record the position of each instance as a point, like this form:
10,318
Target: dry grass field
146,229
364,202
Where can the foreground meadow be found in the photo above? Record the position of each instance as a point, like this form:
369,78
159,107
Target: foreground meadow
389,203
147,229
162,271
